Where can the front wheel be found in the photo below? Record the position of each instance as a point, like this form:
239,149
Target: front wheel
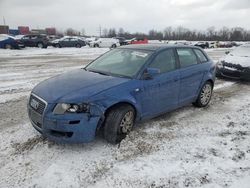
118,123
204,95
8,46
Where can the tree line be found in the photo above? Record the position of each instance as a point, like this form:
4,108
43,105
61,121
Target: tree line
177,33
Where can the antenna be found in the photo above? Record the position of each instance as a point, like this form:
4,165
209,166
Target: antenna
3,20
100,30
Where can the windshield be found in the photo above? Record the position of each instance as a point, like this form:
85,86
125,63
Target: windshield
120,62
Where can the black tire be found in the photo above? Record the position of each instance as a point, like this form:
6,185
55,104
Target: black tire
8,46
114,132
204,95
40,45
96,45
113,46
78,46
58,46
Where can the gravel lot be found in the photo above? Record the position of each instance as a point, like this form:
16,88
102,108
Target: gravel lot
189,147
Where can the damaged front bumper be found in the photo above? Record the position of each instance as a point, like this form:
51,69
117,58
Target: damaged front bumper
234,71
65,128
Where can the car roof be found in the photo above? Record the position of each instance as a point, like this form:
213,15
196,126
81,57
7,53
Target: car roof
155,47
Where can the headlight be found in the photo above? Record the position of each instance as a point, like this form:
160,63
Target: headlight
219,65
61,108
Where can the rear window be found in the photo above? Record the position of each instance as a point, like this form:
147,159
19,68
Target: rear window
201,56
186,57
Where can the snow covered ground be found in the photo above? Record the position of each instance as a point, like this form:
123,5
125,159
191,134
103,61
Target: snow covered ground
189,147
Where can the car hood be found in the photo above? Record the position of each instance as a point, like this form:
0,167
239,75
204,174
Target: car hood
75,86
244,61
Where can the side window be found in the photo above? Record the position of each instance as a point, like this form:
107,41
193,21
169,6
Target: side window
33,37
201,56
165,61
186,57
26,37
73,39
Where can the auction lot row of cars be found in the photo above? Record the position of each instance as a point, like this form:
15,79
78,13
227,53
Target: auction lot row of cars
43,41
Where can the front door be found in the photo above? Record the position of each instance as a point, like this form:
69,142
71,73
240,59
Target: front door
160,94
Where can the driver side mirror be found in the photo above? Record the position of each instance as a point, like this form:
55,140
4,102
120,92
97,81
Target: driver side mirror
150,73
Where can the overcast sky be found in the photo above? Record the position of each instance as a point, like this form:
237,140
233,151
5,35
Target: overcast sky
132,15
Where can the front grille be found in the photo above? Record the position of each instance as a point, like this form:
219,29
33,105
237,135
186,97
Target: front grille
35,118
37,104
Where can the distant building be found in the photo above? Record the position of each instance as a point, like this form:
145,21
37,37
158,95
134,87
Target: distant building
4,29
50,31
23,30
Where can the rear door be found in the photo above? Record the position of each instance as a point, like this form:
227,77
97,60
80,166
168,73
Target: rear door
160,94
191,75
65,42
33,40
26,40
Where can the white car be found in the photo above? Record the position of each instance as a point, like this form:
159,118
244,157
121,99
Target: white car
105,42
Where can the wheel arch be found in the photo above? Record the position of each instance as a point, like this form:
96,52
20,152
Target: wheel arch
120,103
211,81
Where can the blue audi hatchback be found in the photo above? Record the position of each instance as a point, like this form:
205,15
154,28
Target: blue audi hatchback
118,89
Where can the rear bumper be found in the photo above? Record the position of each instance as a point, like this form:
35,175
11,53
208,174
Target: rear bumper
67,128
243,74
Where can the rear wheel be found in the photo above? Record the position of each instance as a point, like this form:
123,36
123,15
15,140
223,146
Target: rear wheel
118,123
113,46
58,46
8,46
78,46
205,95
96,45
40,45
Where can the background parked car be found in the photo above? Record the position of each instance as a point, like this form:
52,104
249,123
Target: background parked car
105,42
9,42
90,39
236,64
122,40
68,42
202,44
35,40
139,41
213,44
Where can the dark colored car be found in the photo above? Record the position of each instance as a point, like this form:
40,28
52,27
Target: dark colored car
202,45
35,40
122,40
236,64
68,42
125,85
9,42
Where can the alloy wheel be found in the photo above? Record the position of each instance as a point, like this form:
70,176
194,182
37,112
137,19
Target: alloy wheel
127,122
206,94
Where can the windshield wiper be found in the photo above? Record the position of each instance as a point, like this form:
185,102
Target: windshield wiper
99,72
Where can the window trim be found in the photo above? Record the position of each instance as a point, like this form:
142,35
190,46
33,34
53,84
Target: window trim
197,59
207,60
